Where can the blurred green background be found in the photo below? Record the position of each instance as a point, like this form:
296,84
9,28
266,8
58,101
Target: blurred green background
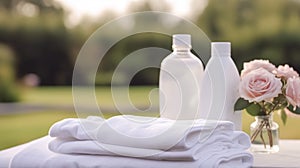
39,46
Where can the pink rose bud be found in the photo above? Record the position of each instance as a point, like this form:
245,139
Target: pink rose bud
255,64
293,91
286,72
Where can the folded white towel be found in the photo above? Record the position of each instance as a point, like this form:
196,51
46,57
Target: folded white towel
202,151
141,132
37,155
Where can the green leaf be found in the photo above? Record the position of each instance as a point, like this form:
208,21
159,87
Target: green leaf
241,104
283,116
291,108
254,110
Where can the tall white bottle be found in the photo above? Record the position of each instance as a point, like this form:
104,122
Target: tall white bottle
180,81
220,86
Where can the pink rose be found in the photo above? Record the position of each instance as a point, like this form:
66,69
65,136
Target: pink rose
259,85
255,64
285,72
293,91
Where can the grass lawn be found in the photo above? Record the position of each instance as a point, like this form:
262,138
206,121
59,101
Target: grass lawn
20,128
63,95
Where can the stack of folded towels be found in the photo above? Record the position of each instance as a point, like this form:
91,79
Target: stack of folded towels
132,141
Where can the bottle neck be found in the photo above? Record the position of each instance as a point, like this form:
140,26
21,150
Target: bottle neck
220,49
182,51
221,55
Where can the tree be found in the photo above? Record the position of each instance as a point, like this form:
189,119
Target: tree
257,29
8,90
41,42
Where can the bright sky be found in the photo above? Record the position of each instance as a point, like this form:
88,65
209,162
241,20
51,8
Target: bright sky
95,8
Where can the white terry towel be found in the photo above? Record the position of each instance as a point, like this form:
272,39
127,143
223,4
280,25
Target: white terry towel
140,132
37,155
204,150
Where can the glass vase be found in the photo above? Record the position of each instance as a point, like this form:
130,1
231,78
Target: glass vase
264,135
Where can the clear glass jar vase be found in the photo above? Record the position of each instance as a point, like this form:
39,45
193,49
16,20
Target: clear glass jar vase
264,135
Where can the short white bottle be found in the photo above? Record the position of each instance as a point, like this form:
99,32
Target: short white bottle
220,86
180,81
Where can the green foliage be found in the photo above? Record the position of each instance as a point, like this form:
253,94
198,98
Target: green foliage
257,29
8,89
9,92
295,110
283,116
45,46
125,47
254,109
241,104
41,42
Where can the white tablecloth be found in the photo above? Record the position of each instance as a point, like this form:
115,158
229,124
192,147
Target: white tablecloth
287,157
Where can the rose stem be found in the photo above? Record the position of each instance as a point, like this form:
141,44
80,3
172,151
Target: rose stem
270,134
257,131
262,138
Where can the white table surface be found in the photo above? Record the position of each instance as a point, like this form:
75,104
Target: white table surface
287,157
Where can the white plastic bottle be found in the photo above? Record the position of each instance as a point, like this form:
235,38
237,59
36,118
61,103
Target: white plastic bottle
220,86
180,81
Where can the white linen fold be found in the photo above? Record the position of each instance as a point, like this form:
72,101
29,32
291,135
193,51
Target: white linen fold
141,132
201,151
37,155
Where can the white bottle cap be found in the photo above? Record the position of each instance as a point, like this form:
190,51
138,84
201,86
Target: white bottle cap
182,41
220,49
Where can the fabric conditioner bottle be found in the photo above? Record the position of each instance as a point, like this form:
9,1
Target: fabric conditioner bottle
180,81
220,86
